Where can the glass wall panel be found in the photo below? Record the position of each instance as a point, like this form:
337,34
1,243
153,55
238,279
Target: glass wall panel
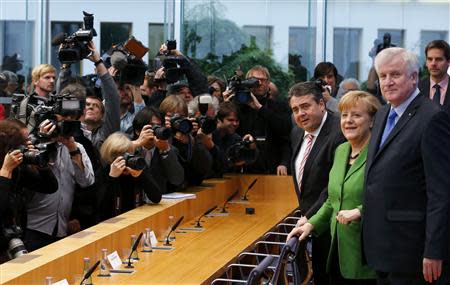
113,34
226,35
155,39
354,29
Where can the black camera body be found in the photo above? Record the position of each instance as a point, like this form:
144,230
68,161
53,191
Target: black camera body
241,87
34,157
181,124
162,133
207,124
74,47
134,161
322,85
241,151
12,234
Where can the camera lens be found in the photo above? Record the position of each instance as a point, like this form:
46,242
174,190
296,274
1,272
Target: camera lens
162,133
16,248
134,162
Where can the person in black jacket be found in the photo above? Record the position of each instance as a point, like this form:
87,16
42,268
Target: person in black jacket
121,187
17,181
269,122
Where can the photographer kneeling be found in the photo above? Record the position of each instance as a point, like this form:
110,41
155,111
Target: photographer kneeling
18,173
122,183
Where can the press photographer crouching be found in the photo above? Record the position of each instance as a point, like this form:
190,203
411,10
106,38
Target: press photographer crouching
152,140
238,151
122,182
23,171
57,121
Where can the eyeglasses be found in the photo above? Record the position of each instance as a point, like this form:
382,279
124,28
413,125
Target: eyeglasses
261,79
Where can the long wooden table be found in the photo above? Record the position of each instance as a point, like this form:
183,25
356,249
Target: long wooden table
196,255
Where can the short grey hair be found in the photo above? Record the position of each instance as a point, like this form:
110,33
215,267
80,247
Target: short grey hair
388,54
352,81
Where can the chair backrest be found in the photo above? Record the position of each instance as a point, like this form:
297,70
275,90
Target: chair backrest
287,254
254,278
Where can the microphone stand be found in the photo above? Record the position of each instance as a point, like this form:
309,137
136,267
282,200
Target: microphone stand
244,198
198,225
133,249
224,210
89,272
174,227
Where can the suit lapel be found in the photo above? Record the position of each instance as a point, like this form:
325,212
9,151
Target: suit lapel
447,95
320,141
377,133
299,142
404,119
359,162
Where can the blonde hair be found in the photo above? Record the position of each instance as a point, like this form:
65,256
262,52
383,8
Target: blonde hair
174,104
40,70
115,145
353,98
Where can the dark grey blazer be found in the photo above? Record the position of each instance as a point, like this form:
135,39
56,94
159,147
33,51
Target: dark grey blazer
320,160
424,87
406,203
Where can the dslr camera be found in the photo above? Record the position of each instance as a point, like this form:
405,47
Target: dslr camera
173,65
162,133
322,85
12,235
241,151
181,124
134,161
241,87
74,47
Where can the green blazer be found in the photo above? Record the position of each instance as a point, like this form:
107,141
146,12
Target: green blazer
345,192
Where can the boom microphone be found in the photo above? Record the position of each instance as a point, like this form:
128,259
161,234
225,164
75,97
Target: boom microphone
90,271
133,249
224,210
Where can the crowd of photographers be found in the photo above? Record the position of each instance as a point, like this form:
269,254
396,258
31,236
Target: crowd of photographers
80,150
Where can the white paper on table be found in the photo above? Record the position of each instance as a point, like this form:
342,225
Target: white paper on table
114,260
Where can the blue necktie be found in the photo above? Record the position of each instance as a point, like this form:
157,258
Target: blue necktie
437,94
389,125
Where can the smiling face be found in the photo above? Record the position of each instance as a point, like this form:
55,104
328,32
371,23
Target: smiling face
356,123
229,124
396,82
307,112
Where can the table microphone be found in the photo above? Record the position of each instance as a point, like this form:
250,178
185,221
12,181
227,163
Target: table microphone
198,225
244,198
228,200
133,249
174,227
89,272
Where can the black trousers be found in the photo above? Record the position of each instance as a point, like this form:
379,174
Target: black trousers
397,278
320,248
34,239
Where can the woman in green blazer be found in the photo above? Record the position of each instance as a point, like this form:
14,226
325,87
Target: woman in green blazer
342,210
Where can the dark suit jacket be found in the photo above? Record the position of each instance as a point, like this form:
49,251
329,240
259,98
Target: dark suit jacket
320,160
406,205
424,87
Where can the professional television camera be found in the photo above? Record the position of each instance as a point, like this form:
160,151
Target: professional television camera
127,58
33,110
74,47
241,87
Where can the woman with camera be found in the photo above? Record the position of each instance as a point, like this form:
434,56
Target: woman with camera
122,183
19,178
342,210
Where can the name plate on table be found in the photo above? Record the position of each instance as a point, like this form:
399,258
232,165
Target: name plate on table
114,260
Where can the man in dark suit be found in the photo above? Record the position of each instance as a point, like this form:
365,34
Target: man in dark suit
437,60
406,205
313,141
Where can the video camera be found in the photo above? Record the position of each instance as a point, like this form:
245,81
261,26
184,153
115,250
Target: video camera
74,47
33,110
241,151
127,58
241,87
